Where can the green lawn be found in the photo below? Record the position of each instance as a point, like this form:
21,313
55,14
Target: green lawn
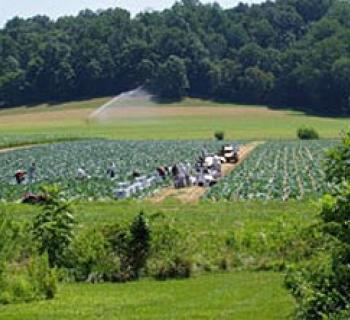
240,295
190,122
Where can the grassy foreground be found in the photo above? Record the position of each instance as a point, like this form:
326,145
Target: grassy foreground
189,119
215,217
239,296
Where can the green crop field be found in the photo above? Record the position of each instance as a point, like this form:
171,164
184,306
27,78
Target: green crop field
58,163
277,170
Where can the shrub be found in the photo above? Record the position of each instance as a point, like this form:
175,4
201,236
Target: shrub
321,288
306,133
28,280
219,135
90,258
177,268
9,234
139,245
53,227
131,245
337,164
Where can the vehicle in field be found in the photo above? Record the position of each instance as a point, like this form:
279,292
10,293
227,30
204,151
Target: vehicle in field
229,153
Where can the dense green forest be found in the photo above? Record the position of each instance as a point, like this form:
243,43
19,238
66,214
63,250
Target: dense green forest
285,53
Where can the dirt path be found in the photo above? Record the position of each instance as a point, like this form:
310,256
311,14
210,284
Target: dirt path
193,194
5,150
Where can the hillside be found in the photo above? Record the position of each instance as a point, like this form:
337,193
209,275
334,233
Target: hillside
286,52
189,119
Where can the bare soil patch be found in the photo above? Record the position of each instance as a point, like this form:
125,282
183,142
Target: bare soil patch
193,194
5,150
163,112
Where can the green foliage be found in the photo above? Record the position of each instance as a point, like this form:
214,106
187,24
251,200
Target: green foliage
306,133
138,245
27,281
321,285
337,165
170,254
131,245
53,227
91,258
24,276
171,81
9,232
178,268
219,135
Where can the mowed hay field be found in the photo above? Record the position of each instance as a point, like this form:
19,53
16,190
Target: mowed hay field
189,119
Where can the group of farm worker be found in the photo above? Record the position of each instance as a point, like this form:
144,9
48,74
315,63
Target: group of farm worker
205,173
29,175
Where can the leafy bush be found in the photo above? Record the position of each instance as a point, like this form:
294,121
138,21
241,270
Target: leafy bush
177,268
131,245
28,280
53,227
311,284
306,133
9,233
139,245
219,135
90,258
24,276
322,289
170,255
337,164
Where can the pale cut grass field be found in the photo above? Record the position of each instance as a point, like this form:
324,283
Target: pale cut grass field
189,119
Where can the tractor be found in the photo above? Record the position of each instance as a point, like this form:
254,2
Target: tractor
229,153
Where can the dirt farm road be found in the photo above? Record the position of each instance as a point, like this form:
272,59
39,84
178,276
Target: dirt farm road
193,194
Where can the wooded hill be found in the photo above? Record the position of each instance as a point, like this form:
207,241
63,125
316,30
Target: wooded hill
286,53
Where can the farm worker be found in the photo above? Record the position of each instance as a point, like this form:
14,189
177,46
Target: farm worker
204,154
81,174
136,174
32,172
161,171
217,163
20,176
111,171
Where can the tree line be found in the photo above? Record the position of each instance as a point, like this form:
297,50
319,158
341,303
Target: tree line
286,53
